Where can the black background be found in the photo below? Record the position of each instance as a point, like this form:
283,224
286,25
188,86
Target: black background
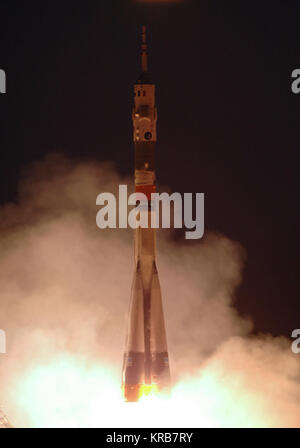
228,121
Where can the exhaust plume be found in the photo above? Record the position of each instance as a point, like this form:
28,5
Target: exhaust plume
65,289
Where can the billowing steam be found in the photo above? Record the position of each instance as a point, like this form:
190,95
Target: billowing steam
65,290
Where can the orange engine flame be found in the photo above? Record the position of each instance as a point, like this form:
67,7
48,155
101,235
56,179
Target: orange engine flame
140,391
147,390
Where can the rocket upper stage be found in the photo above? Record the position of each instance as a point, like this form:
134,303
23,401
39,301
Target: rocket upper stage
146,363
144,117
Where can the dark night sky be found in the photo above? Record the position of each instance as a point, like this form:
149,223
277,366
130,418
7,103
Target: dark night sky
228,121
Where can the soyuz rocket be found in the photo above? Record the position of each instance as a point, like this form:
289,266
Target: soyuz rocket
146,361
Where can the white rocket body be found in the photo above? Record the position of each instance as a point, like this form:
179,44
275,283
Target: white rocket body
146,356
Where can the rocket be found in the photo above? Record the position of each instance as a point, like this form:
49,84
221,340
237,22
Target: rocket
146,361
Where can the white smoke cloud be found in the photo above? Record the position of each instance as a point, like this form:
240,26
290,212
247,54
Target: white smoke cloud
65,290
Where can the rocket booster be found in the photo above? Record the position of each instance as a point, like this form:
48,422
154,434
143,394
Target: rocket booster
146,363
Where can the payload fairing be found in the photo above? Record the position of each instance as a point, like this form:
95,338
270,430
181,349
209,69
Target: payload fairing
146,361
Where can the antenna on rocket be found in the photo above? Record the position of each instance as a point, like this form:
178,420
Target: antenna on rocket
144,54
